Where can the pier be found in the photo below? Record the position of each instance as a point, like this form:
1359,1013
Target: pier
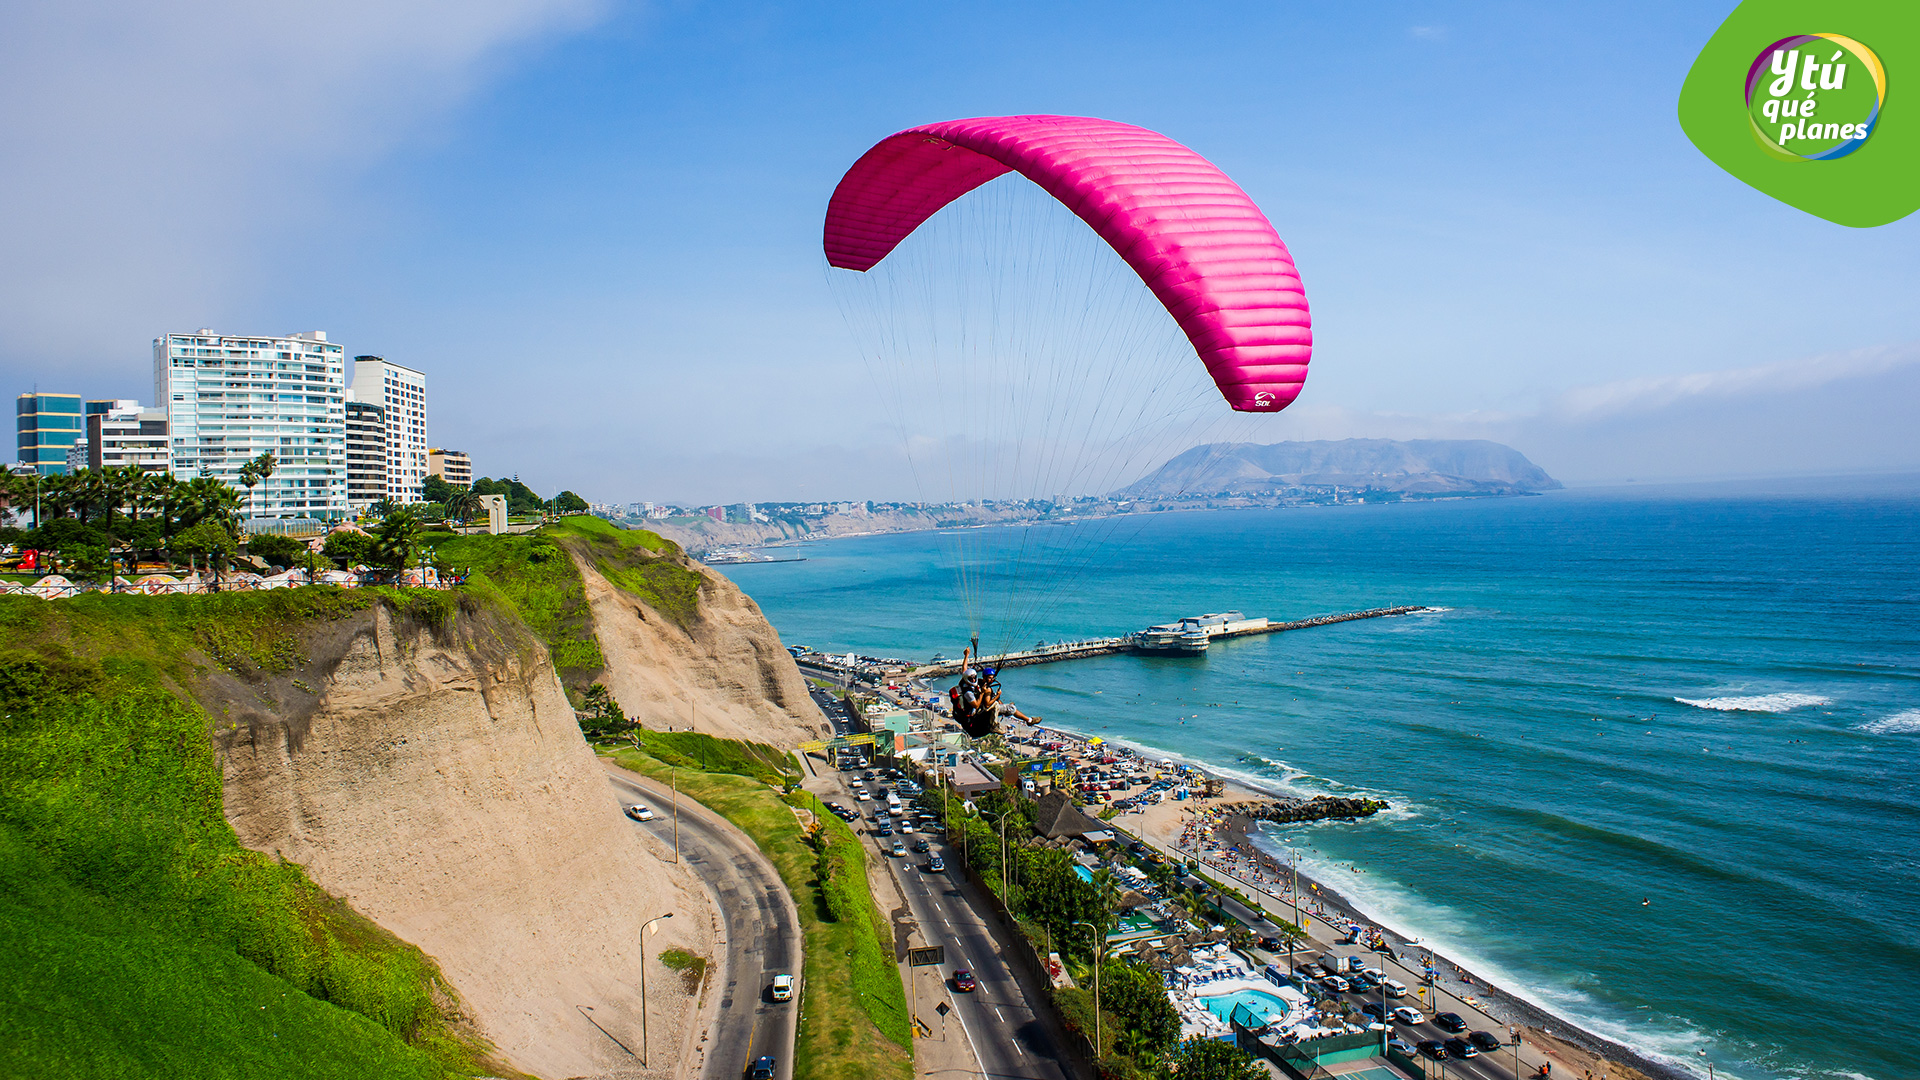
1076,650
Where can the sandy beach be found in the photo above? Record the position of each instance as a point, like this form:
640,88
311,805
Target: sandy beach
1205,829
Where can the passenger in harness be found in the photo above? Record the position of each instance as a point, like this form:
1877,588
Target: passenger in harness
976,700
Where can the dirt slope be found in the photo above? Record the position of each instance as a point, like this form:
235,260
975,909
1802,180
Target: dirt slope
437,780
726,674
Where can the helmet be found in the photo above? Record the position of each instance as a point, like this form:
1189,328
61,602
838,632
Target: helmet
988,672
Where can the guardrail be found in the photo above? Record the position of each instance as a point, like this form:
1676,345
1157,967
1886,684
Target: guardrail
56,587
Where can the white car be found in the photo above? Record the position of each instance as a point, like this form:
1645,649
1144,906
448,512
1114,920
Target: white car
906,825
1393,987
1408,1016
782,987
639,812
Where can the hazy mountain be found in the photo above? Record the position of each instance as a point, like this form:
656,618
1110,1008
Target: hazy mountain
1419,467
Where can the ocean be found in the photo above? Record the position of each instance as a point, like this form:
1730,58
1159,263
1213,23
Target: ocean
1652,762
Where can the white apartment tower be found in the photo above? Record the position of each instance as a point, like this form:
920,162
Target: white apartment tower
229,399
402,392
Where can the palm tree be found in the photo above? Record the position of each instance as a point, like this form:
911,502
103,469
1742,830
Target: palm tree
120,486
398,539
382,506
464,505
257,471
212,498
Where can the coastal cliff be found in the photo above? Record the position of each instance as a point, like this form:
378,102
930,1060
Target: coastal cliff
714,665
434,777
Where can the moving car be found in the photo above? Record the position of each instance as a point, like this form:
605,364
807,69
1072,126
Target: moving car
761,1069
782,987
1401,1045
899,847
1486,1041
639,812
1450,1022
1393,987
1334,984
1408,1015
1375,1010
920,846
883,830
1433,1048
964,982
936,865
1461,1048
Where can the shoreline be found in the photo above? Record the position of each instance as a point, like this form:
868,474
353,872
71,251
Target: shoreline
1166,825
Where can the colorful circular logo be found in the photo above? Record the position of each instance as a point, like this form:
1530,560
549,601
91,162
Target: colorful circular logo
1814,97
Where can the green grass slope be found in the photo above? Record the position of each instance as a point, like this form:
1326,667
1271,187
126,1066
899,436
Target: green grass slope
137,937
645,564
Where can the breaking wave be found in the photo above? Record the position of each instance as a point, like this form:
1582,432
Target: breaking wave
1768,703
1901,723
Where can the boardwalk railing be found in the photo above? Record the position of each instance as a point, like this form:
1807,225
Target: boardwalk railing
57,587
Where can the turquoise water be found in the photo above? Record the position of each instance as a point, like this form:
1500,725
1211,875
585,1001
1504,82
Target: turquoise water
1654,765
1261,1003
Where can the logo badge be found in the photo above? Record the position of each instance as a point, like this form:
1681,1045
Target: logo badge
1814,97
1805,103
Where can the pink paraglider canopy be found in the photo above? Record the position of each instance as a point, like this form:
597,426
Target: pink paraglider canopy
1192,235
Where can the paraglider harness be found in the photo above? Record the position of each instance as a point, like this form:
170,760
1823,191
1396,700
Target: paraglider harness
976,701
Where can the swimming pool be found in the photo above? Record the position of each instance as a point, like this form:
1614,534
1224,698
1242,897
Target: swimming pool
1265,1005
1085,874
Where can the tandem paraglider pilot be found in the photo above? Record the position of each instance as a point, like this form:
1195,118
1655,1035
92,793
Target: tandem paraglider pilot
976,699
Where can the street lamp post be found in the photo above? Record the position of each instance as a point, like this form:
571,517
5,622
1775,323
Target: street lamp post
1099,946
1513,1032
1006,875
644,928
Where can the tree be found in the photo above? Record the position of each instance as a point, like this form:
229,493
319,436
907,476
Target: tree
120,486
209,542
1210,1059
464,504
382,506
282,551
257,471
1133,994
348,548
436,489
397,540
568,503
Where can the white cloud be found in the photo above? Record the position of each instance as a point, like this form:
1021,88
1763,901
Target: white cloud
1783,376
154,152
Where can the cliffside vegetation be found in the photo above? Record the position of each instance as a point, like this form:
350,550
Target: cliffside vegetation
854,1022
643,563
137,937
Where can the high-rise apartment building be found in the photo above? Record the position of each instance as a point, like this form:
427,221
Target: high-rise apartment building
402,392
453,466
366,453
47,426
230,399
122,433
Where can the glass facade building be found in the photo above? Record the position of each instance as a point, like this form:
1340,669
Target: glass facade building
47,426
230,399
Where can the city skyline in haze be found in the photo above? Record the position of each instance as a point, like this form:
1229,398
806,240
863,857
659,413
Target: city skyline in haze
598,223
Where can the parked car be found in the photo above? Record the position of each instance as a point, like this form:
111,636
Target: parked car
964,982
1408,1015
1487,1041
1433,1048
1450,1022
782,987
639,813
1461,1048
936,865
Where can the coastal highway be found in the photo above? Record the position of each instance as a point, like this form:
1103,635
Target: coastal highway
1008,1036
763,932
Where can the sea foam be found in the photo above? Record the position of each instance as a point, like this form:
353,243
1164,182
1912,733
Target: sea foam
1901,723
1770,703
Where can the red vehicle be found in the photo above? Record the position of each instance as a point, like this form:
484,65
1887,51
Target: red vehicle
963,981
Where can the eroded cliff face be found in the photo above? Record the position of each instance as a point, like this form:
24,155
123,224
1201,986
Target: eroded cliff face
726,674
437,780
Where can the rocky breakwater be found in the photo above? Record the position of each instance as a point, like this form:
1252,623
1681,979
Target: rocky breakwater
428,769
1318,808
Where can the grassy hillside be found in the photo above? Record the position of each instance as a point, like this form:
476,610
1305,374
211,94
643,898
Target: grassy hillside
532,576
643,563
137,937
853,1022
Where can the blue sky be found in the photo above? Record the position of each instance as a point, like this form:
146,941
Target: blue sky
596,225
